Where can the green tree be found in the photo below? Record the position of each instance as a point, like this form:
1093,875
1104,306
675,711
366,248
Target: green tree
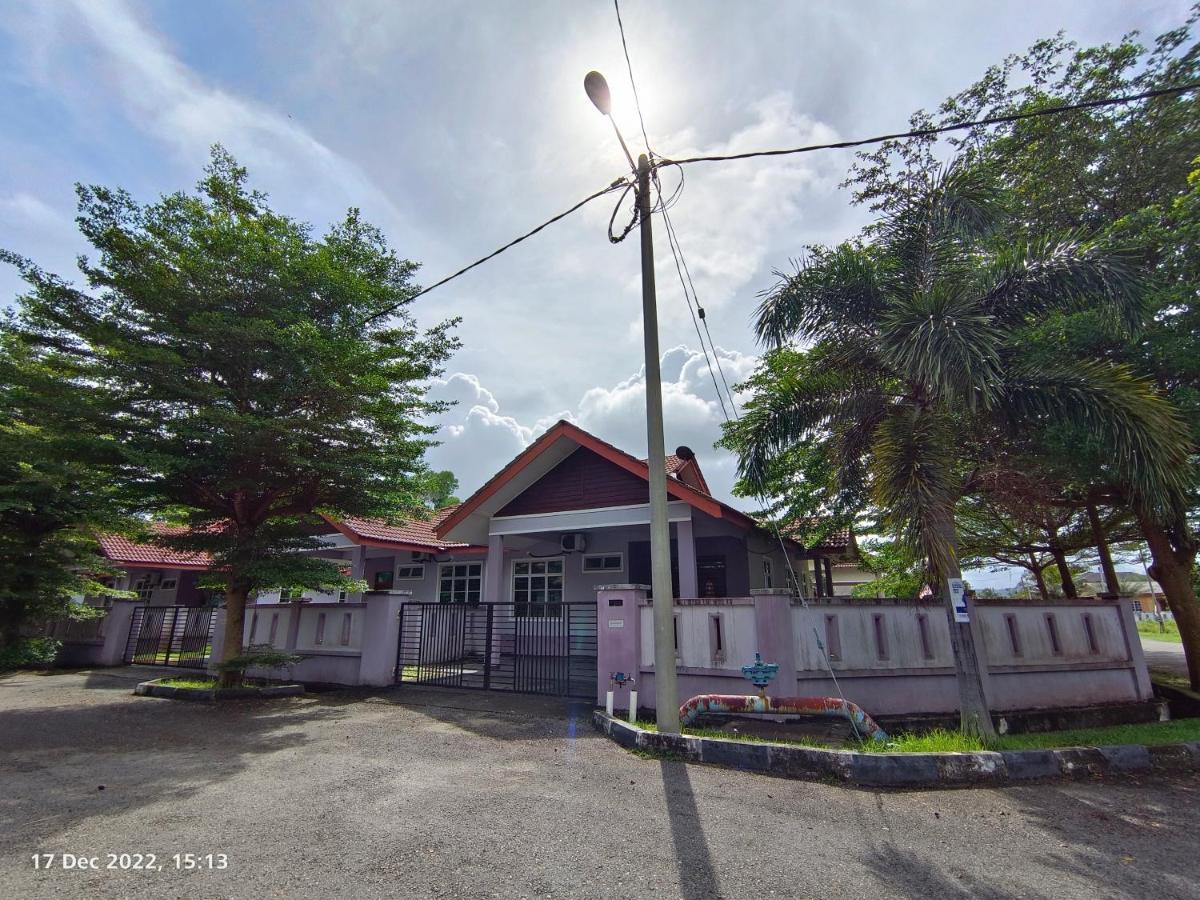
438,490
913,370
51,501
244,371
1127,175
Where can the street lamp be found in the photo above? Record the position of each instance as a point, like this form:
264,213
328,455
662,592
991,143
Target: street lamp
666,691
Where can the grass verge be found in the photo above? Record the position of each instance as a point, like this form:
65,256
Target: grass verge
944,741
1149,629
196,684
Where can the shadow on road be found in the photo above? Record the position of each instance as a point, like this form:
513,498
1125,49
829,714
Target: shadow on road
697,874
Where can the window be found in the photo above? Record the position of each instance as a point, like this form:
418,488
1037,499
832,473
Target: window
460,582
410,573
712,576
145,590
768,574
538,588
603,562
384,581
169,584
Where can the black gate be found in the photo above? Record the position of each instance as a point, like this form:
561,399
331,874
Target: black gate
171,636
500,647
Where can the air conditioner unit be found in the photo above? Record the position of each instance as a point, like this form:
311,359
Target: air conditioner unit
573,543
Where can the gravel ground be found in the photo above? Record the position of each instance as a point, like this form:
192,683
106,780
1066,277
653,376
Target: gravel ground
418,792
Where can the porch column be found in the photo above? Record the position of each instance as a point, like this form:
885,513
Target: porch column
828,576
818,579
493,570
358,571
685,541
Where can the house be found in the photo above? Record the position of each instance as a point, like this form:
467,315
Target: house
567,514
1147,595
160,575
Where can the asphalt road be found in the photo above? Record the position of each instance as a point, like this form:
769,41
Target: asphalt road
1165,656
418,792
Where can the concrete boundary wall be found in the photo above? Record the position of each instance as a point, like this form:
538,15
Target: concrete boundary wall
891,657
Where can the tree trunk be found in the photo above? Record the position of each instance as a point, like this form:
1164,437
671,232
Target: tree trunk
1173,570
1039,577
12,617
235,621
1060,560
974,715
1100,538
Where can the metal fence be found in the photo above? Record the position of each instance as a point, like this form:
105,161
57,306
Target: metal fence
546,648
171,636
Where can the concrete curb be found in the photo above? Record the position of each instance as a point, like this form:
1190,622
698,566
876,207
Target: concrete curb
154,689
982,769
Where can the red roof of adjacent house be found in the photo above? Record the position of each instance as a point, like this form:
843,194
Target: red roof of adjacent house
412,534
838,539
120,549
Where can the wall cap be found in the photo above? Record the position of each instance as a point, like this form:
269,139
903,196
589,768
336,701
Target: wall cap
770,592
623,587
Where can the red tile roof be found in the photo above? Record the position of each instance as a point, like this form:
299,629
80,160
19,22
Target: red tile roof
120,549
836,540
412,533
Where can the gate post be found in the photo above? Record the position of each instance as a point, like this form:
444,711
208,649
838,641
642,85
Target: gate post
116,627
218,639
381,637
618,636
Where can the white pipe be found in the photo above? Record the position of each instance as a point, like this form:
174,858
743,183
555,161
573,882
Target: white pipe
608,703
633,707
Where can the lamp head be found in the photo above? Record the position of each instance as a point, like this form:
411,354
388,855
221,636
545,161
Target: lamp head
597,91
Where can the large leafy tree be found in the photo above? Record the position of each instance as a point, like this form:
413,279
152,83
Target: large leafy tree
913,371
52,500
243,371
1127,174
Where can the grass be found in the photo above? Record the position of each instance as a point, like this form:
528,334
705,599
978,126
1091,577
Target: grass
1150,630
197,684
941,740
1174,679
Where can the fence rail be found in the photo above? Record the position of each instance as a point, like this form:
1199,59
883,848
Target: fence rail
171,636
547,648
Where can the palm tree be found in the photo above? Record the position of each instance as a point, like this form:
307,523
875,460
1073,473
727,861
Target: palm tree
898,357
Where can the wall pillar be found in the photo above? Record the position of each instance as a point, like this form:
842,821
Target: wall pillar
618,638
685,541
381,637
116,631
1133,645
828,576
775,638
218,638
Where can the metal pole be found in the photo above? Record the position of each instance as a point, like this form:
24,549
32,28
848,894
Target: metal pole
666,691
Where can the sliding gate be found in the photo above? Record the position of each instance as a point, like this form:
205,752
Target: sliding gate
522,647
171,636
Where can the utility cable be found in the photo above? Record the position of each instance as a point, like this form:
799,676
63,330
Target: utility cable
637,103
616,185
942,129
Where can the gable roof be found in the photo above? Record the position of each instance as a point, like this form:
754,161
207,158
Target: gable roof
122,550
677,489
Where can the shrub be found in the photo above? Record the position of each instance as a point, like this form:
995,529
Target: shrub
29,653
258,656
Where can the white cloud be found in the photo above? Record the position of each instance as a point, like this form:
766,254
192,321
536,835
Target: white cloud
478,438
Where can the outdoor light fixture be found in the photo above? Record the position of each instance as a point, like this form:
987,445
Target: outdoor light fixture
597,90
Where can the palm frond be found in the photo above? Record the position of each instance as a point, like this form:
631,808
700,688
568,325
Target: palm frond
832,291
1149,444
1032,278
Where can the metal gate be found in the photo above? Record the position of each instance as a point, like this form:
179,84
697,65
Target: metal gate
522,647
171,636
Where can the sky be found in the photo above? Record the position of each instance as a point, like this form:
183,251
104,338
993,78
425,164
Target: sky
456,126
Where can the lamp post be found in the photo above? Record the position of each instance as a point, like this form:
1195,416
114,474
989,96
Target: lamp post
666,691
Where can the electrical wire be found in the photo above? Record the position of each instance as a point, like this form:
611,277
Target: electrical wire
621,182
637,103
942,129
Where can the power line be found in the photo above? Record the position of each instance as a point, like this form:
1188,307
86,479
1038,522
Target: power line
616,185
628,65
942,129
